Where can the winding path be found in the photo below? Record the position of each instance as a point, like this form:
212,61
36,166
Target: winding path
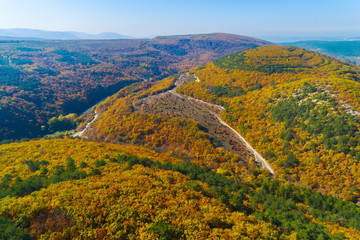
258,157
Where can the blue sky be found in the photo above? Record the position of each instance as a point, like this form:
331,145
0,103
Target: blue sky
143,18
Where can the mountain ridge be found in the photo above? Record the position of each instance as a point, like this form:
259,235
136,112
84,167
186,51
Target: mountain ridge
26,33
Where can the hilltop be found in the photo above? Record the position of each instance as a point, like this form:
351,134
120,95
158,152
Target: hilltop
298,108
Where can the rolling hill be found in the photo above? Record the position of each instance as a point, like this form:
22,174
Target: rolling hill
298,108
44,79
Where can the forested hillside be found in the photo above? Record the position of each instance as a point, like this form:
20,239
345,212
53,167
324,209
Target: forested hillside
298,108
44,79
66,189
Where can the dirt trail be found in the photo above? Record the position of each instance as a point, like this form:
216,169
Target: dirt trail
173,104
258,157
88,125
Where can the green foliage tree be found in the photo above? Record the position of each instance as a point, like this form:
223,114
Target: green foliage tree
9,231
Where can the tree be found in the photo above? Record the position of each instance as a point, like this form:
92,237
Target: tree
70,166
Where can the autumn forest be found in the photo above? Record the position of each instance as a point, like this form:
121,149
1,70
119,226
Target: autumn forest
212,136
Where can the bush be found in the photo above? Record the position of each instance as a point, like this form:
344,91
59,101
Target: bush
34,166
95,171
193,185
100,163
166,231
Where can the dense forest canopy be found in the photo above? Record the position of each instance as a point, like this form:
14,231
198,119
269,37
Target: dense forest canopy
100,191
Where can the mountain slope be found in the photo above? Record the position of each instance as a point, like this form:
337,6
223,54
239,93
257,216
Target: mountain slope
166,123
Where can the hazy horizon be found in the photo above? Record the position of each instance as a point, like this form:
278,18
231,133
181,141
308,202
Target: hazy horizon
139,18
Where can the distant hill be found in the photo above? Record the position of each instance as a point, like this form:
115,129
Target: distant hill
44,79
7,38
346,50
33,34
